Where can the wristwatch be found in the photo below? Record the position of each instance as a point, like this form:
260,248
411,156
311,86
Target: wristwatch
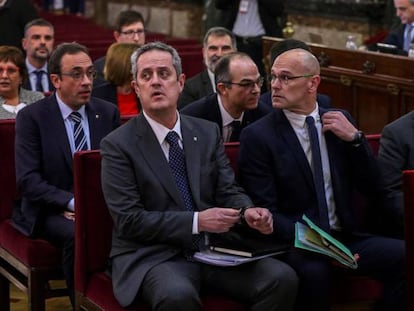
242,211
358,138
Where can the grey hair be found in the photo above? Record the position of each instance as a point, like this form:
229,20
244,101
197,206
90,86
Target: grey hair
159,46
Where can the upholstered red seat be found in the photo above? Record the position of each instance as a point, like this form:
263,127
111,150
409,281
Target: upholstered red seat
93,229
27,263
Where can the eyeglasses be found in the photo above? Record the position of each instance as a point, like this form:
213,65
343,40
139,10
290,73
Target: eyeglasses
284,79
78,75
9,70
248,84
131,33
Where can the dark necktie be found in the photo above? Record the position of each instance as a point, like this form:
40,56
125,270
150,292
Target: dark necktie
39,75
318,173
235,130
178,168
78,133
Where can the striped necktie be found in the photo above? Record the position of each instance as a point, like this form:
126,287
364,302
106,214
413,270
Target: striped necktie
78,133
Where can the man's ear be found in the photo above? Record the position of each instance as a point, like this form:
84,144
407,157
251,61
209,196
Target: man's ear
116,35
221,88
314,83
181,81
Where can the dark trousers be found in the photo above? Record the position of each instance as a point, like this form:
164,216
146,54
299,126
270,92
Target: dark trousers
61,232
381,258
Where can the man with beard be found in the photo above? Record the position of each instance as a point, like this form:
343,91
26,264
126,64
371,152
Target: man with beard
217,42
38,43
48,133
236,103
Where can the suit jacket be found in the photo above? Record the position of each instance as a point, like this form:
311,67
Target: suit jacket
151,223
195,88
396,37
275,172
99,66
396,154
269,11
25,96
44,161
208,108
322,99
107,91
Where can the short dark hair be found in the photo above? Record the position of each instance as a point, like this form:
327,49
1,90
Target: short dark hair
128,17
55,61
37,22
16,56
286,45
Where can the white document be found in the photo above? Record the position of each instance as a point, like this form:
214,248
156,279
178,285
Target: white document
224,260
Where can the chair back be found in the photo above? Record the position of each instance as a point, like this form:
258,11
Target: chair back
8,174
93,225
374,142
232,152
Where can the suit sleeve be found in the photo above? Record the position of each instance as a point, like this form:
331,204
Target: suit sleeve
392,160
29,166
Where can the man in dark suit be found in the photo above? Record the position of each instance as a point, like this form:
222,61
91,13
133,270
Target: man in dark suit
45,143
401,36
279,171
396,154
161,214
236,103
218,41
38,43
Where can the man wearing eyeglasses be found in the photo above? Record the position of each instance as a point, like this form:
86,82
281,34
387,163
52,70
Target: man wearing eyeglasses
236,103
303,159
130,28
47,136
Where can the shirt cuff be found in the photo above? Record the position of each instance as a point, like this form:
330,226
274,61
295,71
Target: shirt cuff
71,205
195,223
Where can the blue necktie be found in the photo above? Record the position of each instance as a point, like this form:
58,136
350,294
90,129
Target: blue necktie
178,168
318,173
78,133
39,75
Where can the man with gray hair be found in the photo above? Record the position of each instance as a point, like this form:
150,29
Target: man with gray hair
176,187
402,35
218,41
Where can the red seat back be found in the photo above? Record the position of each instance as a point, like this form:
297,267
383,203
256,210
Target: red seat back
232,151
93,225
8,174
374,142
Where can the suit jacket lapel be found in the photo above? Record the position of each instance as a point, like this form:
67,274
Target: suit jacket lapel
58,129
95,122
152,153
192,158
292,142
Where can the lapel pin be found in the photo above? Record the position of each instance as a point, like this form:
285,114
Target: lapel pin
96,116
195,138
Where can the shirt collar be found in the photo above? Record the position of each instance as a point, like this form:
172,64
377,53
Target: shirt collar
225,116
65,110
298,120
160,130
31,68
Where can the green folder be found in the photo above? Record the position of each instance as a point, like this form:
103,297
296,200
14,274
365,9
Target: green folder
314,239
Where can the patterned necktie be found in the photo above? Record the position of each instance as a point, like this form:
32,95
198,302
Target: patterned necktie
39,75
235,130
178,168
78,133
408,37
318,173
